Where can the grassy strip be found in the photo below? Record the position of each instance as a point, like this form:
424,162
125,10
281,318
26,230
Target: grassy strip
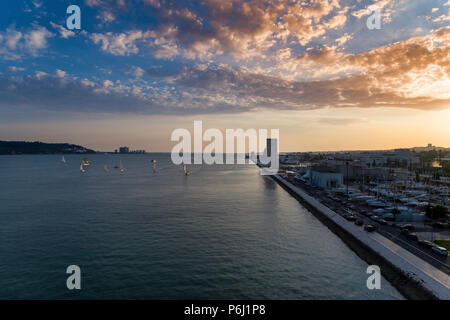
443,243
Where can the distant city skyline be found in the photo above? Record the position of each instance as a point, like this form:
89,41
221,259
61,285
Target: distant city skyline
137,70
126,149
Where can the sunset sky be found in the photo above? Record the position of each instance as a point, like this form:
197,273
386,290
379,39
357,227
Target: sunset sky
313,69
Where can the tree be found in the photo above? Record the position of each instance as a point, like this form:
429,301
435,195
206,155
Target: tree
395,212
429,211
446,168
440,212
436,212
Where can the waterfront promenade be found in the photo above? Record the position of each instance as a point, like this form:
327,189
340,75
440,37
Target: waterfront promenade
417,270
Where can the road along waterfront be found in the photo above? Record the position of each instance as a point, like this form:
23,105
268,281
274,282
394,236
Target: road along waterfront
412,276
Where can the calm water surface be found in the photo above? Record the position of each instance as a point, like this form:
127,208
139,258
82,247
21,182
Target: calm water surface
224,232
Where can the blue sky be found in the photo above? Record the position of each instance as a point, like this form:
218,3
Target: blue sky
164,63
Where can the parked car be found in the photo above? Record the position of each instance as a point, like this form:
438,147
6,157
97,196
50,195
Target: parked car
440,250
412,236
410,227
426,243
350,217
382,221
359,222
404,231
370,228
375,218
439,225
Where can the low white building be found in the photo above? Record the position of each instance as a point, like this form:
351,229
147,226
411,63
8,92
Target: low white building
325,178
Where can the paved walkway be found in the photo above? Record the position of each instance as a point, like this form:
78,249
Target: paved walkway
427,268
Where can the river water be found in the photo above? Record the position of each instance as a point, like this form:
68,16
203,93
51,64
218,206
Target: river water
223,232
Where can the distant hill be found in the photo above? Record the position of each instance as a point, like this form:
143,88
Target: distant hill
22,147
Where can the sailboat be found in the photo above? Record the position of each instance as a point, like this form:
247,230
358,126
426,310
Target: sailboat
186,172
122,169
86,162
82,168
63,160
106,169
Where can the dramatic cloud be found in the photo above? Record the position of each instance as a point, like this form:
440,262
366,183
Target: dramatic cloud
229,56
342,40
443,17
14,69
63,32
385,7
36,39
245,29
260,91
60,73
419,66
14,44
62,94
202,89
118,44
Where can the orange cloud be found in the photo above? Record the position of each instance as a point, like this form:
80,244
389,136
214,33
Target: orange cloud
244,28
417,67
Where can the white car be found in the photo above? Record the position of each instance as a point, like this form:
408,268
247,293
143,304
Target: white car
440,250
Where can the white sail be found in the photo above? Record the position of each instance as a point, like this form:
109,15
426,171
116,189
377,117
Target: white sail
82,168
63,160
86,162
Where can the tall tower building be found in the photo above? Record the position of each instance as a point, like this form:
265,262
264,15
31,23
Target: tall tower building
269,144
